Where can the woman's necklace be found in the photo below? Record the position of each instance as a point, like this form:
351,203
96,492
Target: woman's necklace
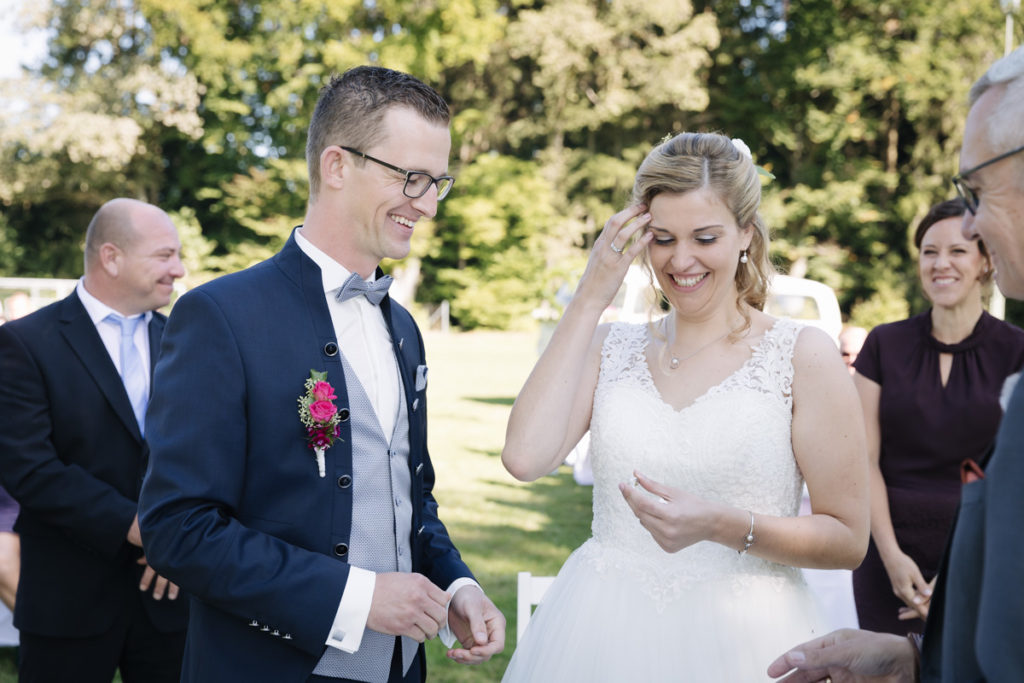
675,361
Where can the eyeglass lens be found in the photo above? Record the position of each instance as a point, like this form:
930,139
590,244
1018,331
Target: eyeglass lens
417,184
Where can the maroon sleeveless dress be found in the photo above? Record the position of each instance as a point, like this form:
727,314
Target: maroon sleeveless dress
926,432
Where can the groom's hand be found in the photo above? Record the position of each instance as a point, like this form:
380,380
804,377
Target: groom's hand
407,605
478,624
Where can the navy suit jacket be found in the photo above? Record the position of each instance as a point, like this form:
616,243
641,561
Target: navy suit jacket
976,622
233,508
71,454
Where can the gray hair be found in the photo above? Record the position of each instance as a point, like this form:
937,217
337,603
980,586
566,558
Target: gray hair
1005,131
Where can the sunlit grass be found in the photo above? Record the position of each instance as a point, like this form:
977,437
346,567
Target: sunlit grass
501,526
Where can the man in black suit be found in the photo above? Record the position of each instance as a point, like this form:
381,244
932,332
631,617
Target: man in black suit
75,383
976,618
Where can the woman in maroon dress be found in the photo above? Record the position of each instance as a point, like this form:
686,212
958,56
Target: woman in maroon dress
930,388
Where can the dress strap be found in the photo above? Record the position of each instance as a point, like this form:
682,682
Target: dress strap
622,354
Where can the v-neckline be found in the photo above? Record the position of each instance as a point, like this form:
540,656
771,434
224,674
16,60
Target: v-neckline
754,351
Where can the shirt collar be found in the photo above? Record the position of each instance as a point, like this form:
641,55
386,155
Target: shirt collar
333,273
96,309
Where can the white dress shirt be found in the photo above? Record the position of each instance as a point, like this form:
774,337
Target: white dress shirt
110,332
366,343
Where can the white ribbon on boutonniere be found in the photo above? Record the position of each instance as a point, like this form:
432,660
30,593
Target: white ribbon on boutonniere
319,416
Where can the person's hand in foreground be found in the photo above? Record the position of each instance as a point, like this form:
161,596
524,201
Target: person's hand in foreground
849,656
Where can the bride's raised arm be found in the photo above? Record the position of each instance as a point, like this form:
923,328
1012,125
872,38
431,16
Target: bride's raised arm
552,412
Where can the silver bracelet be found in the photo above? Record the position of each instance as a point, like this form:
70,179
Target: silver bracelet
749,539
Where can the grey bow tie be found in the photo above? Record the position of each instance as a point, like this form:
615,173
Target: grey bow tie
374,291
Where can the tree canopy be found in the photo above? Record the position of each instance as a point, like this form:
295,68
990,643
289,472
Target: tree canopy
856,106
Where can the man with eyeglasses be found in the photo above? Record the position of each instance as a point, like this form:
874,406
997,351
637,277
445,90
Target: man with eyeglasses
290,488
976,619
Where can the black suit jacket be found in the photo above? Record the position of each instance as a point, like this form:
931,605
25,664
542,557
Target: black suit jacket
976,622
71,454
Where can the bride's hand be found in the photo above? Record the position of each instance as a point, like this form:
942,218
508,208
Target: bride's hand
675,519
612,254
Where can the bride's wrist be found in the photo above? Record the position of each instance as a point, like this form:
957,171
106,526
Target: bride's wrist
733,528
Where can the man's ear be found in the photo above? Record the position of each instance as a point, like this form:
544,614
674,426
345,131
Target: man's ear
111,258
333,167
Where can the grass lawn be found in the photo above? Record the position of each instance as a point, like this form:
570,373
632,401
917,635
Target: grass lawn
501,526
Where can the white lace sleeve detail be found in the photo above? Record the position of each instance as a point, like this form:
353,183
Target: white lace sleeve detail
770,368
622,354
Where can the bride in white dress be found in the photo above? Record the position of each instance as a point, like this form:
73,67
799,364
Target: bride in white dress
704,425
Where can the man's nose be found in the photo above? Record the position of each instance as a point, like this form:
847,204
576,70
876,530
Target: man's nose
967,228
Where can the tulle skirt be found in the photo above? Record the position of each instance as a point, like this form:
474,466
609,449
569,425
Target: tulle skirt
601,624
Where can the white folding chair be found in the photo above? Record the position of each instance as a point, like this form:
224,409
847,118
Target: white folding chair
529,592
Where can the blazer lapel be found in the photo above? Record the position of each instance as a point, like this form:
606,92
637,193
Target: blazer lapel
81,335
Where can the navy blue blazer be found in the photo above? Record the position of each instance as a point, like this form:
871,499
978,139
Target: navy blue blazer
233,508
976,620
71,454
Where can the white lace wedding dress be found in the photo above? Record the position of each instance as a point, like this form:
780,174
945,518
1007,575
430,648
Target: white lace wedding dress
623,609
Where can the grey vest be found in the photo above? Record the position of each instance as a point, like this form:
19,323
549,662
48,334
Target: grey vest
381,526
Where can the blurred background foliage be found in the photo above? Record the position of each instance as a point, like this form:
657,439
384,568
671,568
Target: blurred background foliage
856,106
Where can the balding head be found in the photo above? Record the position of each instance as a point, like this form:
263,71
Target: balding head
992,169
132,256
1004,128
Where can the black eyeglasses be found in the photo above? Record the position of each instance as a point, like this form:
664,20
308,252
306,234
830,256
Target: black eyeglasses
965,191
416,182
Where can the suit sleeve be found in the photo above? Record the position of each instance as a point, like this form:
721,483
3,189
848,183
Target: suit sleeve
58,491
1001,608
197,432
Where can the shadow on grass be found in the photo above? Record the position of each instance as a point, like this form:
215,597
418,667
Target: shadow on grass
492,400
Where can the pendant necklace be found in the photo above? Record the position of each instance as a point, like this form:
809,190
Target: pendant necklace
675,361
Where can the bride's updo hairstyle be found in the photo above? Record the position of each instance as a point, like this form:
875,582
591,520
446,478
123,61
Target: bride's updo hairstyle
690,161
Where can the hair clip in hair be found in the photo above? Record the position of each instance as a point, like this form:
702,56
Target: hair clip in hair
742,148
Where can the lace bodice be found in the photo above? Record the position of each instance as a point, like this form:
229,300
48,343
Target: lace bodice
733,445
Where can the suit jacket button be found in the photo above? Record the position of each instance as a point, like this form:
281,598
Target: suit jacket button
254,623
415,404
343,414
420,530
331,349
265,628
419,468
275,632
344,481
287,636
341,550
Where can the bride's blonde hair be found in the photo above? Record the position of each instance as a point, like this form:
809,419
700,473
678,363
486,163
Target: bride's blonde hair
690,161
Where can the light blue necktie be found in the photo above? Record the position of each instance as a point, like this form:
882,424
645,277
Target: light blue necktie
133,374
355,285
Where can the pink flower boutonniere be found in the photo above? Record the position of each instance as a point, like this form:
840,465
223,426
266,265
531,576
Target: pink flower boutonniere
319,416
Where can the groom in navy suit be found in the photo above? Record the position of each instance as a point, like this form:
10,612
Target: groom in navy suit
73,452
308,563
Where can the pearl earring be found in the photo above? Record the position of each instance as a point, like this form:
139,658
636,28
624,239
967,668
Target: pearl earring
743,257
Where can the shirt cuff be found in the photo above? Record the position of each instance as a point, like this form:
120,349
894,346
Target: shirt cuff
445,634
353,610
